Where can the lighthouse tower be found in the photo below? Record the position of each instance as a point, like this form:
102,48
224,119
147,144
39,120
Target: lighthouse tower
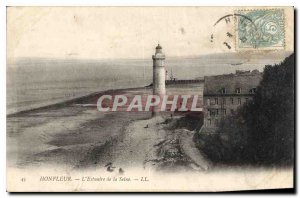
159,76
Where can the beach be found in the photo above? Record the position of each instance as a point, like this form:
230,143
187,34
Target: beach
75,135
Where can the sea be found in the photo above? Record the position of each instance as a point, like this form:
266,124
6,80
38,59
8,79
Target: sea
37,82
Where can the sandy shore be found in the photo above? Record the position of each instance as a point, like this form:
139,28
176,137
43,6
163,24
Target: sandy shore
63,134
154,145
75,135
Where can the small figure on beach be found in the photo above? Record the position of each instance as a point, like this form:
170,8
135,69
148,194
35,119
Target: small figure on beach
109,166
121,171
110,169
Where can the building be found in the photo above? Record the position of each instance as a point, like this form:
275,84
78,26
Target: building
224,94
159,76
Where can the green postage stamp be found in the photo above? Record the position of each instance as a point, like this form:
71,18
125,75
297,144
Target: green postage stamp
260,29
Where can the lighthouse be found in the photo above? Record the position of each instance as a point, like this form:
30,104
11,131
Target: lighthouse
159,76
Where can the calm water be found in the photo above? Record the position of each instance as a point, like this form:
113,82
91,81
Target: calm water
34,83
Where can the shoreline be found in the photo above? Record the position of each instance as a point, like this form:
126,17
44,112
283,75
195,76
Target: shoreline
70,101
76,135
80,99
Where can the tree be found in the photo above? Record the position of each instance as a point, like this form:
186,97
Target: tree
269,118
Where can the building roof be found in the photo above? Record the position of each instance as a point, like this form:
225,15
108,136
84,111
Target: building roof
245,81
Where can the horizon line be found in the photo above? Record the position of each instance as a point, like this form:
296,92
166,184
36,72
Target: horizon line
105,59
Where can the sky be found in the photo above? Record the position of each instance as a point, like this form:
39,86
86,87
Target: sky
117,32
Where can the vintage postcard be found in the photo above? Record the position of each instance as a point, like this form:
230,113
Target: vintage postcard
150,99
